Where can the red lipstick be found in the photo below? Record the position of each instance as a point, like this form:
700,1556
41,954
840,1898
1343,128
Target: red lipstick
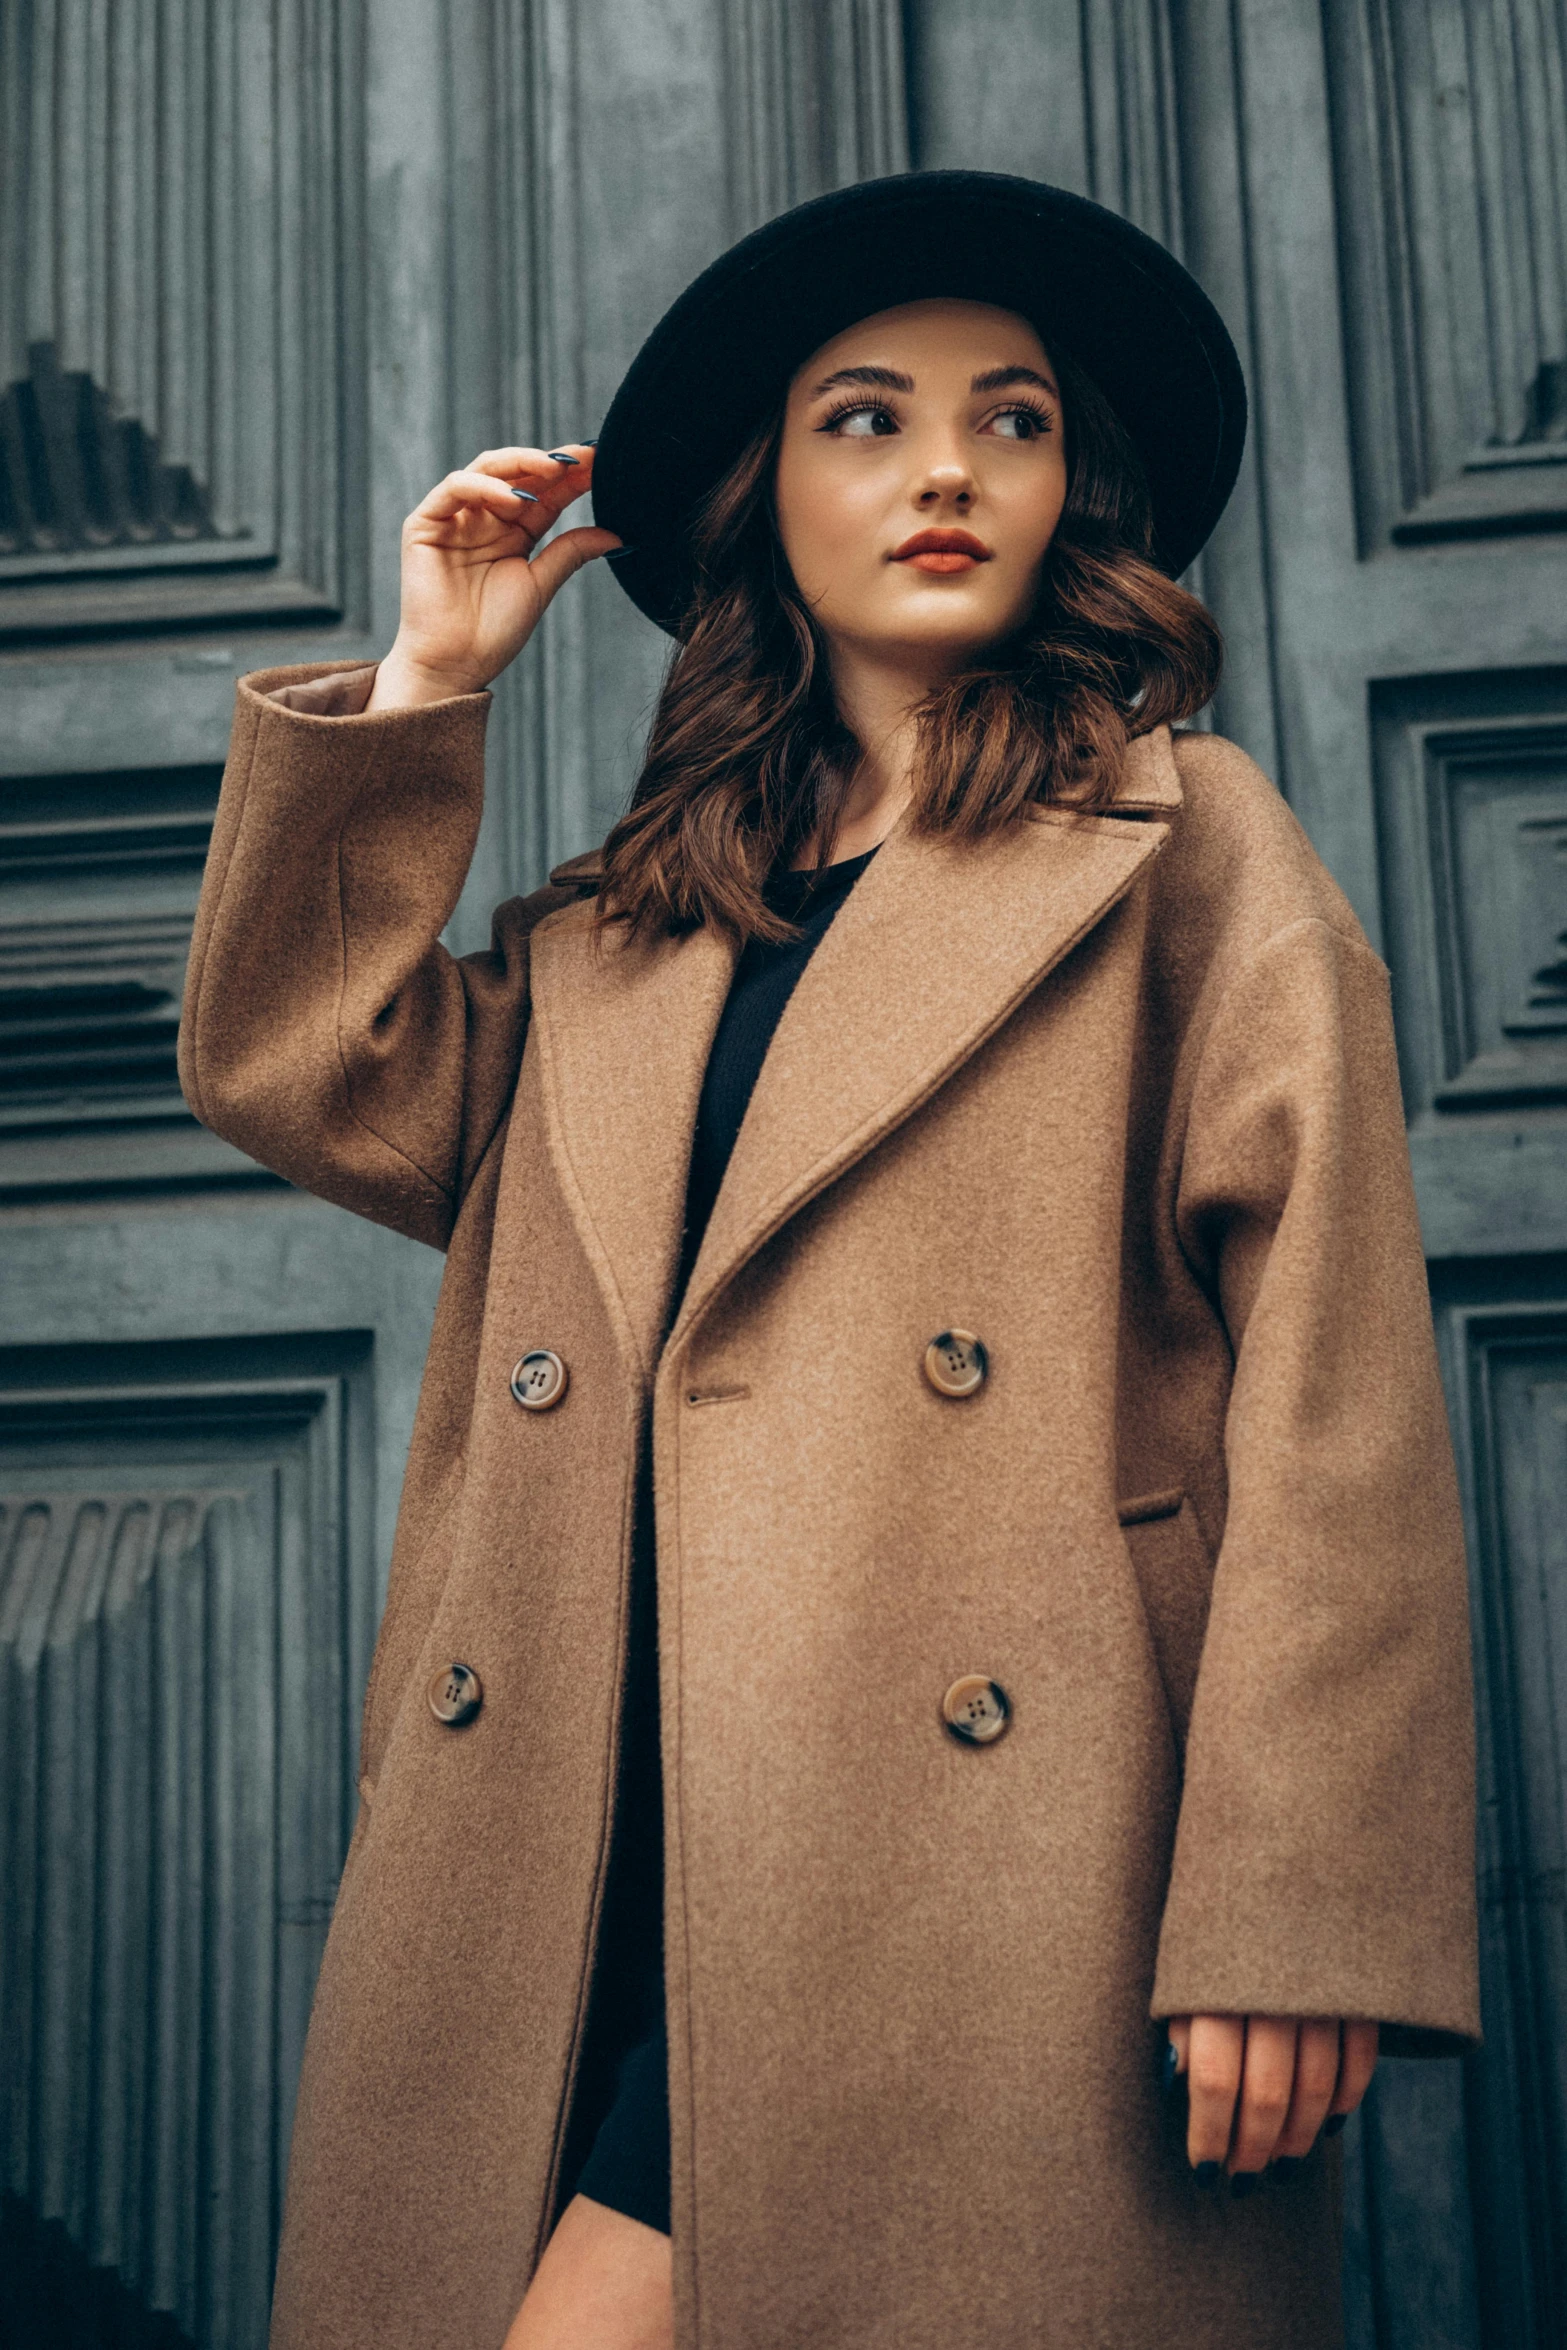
942,550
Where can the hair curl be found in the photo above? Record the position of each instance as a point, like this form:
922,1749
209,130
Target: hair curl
748,758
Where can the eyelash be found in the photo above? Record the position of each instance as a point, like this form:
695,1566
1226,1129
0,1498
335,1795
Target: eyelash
851,407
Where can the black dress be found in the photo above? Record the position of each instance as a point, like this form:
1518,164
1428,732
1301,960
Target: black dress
617,2146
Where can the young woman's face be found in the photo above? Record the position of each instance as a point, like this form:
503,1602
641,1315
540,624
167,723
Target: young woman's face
921,475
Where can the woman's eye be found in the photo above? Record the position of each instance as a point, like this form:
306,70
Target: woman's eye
863,423
1021,424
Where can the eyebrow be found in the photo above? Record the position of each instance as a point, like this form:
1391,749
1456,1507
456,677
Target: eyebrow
883,379
891,379
997,378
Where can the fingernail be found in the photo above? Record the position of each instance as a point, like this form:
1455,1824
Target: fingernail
527,494
562,457
1245,2182
590,444
1285,2166
1208,2175
1334,2123
1169,2068
615,553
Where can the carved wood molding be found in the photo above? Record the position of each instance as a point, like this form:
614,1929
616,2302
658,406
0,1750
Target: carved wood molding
184,1543
1129,109
816,100
1507,1346
1453,246
1472,793
180,314
99,876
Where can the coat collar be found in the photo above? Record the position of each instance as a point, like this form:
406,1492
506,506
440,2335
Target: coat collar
934,947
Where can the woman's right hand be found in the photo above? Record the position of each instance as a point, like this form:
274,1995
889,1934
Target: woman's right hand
473,589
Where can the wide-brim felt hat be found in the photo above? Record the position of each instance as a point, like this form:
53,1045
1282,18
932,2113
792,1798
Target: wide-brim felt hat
1135,321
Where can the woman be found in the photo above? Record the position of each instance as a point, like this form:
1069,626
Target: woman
932,1402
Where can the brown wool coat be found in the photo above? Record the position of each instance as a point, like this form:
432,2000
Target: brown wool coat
1118,1094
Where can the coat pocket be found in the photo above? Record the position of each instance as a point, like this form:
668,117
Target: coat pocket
1175,1577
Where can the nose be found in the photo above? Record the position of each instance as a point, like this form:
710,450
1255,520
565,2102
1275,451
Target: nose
946,485
945,480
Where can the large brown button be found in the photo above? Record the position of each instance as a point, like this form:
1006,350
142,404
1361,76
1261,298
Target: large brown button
540,1380
456,1694
956,1363
976,1709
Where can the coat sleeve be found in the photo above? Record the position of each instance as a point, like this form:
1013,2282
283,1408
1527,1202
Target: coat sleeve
326,1031
1324,1854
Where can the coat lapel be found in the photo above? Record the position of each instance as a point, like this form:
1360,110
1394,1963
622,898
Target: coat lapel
624,1030
933,948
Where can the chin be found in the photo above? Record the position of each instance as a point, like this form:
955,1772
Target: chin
957,638
957,619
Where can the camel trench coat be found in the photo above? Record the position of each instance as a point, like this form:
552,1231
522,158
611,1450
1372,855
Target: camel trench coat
1118,1095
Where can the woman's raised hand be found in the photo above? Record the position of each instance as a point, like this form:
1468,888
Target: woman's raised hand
473,586
1260,2087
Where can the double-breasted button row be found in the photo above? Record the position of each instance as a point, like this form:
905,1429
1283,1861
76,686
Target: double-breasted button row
539,1380
956,1365
975,1709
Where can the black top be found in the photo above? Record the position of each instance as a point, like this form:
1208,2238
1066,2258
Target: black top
627,2004
765,978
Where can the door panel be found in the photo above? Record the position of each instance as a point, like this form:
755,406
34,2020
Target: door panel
204,1410
189,1589
280,268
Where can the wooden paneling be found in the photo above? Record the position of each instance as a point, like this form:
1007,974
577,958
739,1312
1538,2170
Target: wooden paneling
815,99
1504,1334
1470,783
183,1546
1473,798
1452,201
99,875
267,272
181,185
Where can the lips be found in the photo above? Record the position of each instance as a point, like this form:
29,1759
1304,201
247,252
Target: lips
942,551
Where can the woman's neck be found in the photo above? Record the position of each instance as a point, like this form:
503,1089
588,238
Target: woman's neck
877,702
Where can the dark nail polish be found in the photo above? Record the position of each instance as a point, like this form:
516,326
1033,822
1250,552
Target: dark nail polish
562,457
615,553
1334,2123
1245,2182
1286,2165
1169,2072
525,494
1208,2175
590,444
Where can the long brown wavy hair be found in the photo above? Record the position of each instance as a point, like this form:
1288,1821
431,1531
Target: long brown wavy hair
748,757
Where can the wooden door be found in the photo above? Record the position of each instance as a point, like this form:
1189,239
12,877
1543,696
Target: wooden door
265,273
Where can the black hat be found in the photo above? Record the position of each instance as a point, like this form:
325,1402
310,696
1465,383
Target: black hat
1133,319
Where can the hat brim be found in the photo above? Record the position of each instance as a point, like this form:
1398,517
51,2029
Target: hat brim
1127,312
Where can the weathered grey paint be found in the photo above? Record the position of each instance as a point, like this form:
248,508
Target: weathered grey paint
282,269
